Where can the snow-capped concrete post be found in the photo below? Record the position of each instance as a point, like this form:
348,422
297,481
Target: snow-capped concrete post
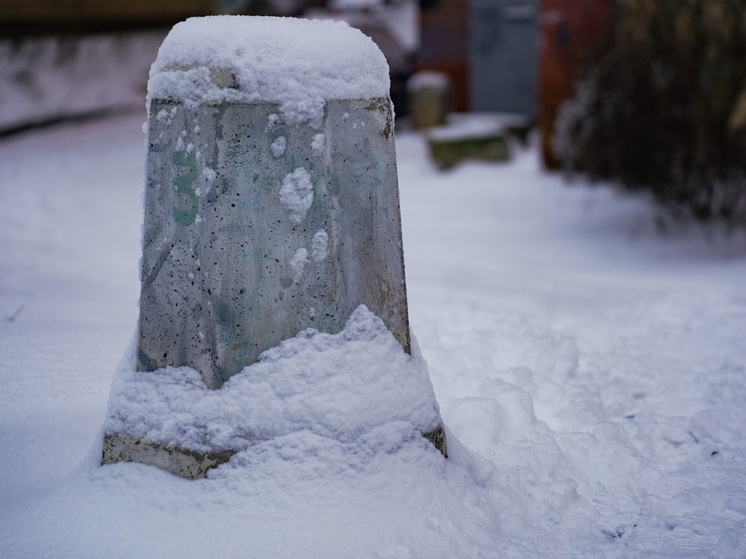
271,202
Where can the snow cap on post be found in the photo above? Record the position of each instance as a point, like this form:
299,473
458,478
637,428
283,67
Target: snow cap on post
296,63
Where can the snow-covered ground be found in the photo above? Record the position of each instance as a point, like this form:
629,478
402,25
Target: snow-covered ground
589,358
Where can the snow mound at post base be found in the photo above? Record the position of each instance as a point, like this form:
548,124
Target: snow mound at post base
296,63
356,387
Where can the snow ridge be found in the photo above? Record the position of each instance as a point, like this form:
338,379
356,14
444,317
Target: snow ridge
338,386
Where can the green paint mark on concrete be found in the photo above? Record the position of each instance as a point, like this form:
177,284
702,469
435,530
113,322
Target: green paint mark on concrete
183,184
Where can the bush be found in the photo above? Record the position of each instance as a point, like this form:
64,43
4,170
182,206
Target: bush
665,109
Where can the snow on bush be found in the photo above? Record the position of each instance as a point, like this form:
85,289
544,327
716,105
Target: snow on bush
356,384
665,110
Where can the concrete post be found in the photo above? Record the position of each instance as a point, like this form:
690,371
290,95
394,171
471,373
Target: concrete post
256,229
267,210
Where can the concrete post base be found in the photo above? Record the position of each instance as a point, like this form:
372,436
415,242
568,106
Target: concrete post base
181,462
192,464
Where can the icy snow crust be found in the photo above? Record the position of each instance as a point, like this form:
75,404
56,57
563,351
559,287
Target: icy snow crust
357,384
296,63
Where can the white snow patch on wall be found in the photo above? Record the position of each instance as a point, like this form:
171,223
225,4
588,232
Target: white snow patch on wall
296,194
317,145
294,62
209,174
346,387
298,263
320,246
180,145
278,146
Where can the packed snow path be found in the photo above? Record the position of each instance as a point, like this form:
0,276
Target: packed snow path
588,354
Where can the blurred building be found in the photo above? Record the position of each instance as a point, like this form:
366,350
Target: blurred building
19,18
488,48
444,40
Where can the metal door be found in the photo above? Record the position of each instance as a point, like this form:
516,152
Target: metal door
503,55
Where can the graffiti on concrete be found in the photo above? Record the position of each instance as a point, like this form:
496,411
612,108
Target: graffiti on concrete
183,185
